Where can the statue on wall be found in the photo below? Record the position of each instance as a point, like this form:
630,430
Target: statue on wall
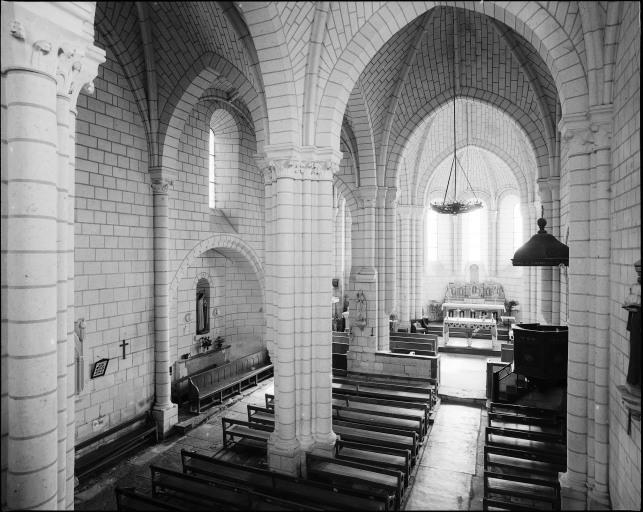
202,303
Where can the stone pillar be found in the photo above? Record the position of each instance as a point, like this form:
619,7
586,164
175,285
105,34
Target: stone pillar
363,286
380,233
298,287
419,241
391,259
406,214
47,57
164,411
554,186
576,139
599,230
339,227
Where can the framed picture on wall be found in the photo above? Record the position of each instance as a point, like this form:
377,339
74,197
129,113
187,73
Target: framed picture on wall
100,367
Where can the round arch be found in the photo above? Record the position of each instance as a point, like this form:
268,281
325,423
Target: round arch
219,241
527,125
187,93
532,24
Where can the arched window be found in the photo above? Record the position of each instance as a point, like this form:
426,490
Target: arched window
473,233
432,235
202,306
517,227
211,169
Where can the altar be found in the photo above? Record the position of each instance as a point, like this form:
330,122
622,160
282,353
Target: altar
472,310
470,325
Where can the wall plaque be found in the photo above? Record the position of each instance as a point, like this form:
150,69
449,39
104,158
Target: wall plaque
99,369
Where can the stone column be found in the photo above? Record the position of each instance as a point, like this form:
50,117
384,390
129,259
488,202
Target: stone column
363,286
391,251
298,289
554,186
419,240
47,57
380,233
576,139
599,230
164,411
406,214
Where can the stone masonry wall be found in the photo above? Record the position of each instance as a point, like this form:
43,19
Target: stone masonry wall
625,228
113,255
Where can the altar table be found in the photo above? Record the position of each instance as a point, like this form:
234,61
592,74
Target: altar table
470,324
472,309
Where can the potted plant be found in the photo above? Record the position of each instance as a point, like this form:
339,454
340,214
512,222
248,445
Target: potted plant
510,305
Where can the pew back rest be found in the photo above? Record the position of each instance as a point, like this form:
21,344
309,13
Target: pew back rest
227,371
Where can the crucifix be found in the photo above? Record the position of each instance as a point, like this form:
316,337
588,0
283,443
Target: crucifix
123,345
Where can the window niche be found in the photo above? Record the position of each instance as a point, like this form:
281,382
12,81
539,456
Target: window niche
202,306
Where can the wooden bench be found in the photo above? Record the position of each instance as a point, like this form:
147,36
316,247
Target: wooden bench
208,494
547,459
340,347
502,461
279,484
218,383
245,430
507,488
379,436
270,401
392,408
375,455
260,414
411,347
374,418
378,481
92,457
534,423
540,443
429,381
131,499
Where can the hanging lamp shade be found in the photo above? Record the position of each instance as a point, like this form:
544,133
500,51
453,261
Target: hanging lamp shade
542,250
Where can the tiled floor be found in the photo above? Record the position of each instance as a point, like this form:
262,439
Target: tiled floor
447,477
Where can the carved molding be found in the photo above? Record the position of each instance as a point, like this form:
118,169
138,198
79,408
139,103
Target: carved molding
51,40
161,185
391,197
314,170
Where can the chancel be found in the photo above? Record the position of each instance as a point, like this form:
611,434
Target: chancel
296,255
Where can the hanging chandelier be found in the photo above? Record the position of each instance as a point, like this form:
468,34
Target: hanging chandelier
455,206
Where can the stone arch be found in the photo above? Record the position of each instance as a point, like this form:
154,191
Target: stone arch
186,95
533,24
522,119
347,193
264,24
220,241
362,130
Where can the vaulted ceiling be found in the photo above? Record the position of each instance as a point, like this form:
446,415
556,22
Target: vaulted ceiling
447,52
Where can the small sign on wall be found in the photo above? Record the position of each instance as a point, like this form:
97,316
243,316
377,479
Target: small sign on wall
99,369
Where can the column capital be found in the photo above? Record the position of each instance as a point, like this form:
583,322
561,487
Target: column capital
367,196
54,39
601,122
162,179
382,193
298,162
391,197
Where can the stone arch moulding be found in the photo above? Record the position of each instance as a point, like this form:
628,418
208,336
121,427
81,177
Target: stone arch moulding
220,241
187,94
566,69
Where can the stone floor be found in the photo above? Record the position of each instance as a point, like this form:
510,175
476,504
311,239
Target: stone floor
448,476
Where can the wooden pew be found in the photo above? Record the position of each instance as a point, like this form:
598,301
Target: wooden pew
379,481
209,494
551,415
533,423
270,401
130,499
92,457
340,347
375,455
244,430
392,408
501,460
539,443
343,412
428,382
378,436
218,383
339,361
278,484
505,489
421,344
342,386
